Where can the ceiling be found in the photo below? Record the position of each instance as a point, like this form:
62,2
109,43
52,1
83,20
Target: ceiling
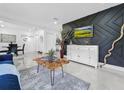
42,14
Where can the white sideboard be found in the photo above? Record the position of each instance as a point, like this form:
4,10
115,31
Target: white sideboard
85,54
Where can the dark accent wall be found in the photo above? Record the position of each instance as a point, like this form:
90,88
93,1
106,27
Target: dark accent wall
107,26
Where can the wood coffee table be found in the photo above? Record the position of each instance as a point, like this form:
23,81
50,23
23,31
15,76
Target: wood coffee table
52,66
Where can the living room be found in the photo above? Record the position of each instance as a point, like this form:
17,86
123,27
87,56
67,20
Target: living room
61,46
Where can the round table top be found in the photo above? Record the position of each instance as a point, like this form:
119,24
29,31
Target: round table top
51,64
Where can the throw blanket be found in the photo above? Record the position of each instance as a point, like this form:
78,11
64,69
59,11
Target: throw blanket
9,77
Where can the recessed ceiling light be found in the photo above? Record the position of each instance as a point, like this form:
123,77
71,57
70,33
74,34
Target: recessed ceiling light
55,20
2,26
1,21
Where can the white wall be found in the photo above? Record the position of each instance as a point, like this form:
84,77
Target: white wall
50,41
33,43
16,32
38,40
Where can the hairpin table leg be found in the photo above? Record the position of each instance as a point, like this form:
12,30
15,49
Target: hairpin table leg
38,68
52,75
62,71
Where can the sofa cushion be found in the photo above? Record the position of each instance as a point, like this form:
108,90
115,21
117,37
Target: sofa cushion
9,82
6,62
6,57
9,77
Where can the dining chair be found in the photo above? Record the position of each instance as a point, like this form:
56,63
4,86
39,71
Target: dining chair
13,49
23,47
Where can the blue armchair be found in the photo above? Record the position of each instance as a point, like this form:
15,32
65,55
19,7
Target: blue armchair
9,76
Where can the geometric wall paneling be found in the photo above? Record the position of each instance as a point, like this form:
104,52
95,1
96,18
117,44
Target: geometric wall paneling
120,48
107,26
118,55
118,21
102,36
112,21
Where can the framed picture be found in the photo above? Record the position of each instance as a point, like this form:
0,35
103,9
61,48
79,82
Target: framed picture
7,38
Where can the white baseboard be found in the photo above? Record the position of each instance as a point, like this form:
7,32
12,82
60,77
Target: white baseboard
114,67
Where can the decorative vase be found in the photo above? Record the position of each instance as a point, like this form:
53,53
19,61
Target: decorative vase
61,53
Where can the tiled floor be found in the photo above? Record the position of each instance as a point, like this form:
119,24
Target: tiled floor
102,78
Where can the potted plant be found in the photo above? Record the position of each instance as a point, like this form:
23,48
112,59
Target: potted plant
51,54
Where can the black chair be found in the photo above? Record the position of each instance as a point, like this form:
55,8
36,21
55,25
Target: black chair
13,49
23,47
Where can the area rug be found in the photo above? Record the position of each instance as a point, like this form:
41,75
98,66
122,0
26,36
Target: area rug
31,80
